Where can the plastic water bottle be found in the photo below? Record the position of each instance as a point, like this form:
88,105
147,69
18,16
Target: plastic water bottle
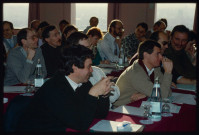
156,102
39,80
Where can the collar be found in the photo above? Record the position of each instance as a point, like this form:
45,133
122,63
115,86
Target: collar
8,39
73,84
110,37
149,71
23,52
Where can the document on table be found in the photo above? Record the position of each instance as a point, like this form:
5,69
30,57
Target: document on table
183,98
129,110
14,89
186,87
111,65
173,108
111,126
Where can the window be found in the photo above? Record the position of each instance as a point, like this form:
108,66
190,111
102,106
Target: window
17,13
176,14
84,11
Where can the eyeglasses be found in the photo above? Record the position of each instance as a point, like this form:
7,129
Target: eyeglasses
165,43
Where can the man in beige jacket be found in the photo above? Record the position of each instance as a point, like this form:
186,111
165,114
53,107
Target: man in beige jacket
137,80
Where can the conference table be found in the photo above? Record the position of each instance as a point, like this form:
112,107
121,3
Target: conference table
184,121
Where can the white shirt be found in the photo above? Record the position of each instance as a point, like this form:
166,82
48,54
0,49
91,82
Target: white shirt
97,75
107,47
149,71
73,84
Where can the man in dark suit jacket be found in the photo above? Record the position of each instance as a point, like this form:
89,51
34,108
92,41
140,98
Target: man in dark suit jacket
68,100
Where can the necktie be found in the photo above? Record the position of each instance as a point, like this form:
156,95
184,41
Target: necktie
115,51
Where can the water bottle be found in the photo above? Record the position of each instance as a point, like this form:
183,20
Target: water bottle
39,80
156,102
121,57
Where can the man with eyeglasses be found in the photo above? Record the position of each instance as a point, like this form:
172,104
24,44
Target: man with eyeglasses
109,47
22,60
184,72
132,41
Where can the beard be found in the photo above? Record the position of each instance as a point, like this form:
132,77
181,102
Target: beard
117,34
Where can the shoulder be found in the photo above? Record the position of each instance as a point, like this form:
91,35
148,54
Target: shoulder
15,51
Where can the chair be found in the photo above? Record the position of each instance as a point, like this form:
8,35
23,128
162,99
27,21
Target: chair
14,112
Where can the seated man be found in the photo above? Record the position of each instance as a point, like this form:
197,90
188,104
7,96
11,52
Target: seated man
139,77
22,60
9,39
39,31
97,74
51,49
109,47
93,23
132,41
184,71
68,100
34,25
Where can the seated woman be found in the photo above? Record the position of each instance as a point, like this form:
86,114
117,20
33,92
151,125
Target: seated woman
94,35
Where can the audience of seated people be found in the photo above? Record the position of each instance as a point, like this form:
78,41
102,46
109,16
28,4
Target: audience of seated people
94,35
79,38
109,47
39,31
137,80
131,42
158,26
62,24
51,49
9,39
93,23
34,25
22,60
184,71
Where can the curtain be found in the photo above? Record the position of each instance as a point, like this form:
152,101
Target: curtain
34,12
195,25
113,12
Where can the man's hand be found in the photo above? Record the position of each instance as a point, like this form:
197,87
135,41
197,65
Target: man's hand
103,87
167,64
30,53
137,96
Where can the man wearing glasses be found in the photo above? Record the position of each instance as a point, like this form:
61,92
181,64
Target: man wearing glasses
22,60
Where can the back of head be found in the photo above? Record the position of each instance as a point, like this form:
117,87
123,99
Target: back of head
143,25
69,28
74,55
180,28
146,46
46,32
64,22
22,34
113,24
94,31
42,25
155,35
165,21
75,37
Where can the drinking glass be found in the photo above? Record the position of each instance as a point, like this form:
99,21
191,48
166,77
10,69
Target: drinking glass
166,108
30,86
147,115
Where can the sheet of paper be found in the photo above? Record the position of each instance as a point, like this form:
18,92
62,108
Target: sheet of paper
186,87
111,65
129,110
173,108
111,126
5,100
180,98
14,89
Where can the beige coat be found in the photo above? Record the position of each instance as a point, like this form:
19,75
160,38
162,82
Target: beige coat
134,79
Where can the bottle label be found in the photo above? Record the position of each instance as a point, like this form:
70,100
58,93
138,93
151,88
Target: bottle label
155,107
39,82
156,85
120,61
38,65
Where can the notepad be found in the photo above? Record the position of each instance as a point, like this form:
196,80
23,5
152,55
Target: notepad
14,89
111,126
129,110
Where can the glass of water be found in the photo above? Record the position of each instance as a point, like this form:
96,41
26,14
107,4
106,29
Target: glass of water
146,115
166,108
30,86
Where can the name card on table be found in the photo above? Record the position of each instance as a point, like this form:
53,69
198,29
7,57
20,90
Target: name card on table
183,98
129,110
173,108
111,126
14,89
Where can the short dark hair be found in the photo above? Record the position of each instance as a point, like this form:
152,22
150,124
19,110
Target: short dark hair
10,23
69,28
143,25
181,29
94,31
155,35
165,21
63,22
74,55
75,37
42,25
22,34
46,32
158,23
32,23
113,24
146,46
